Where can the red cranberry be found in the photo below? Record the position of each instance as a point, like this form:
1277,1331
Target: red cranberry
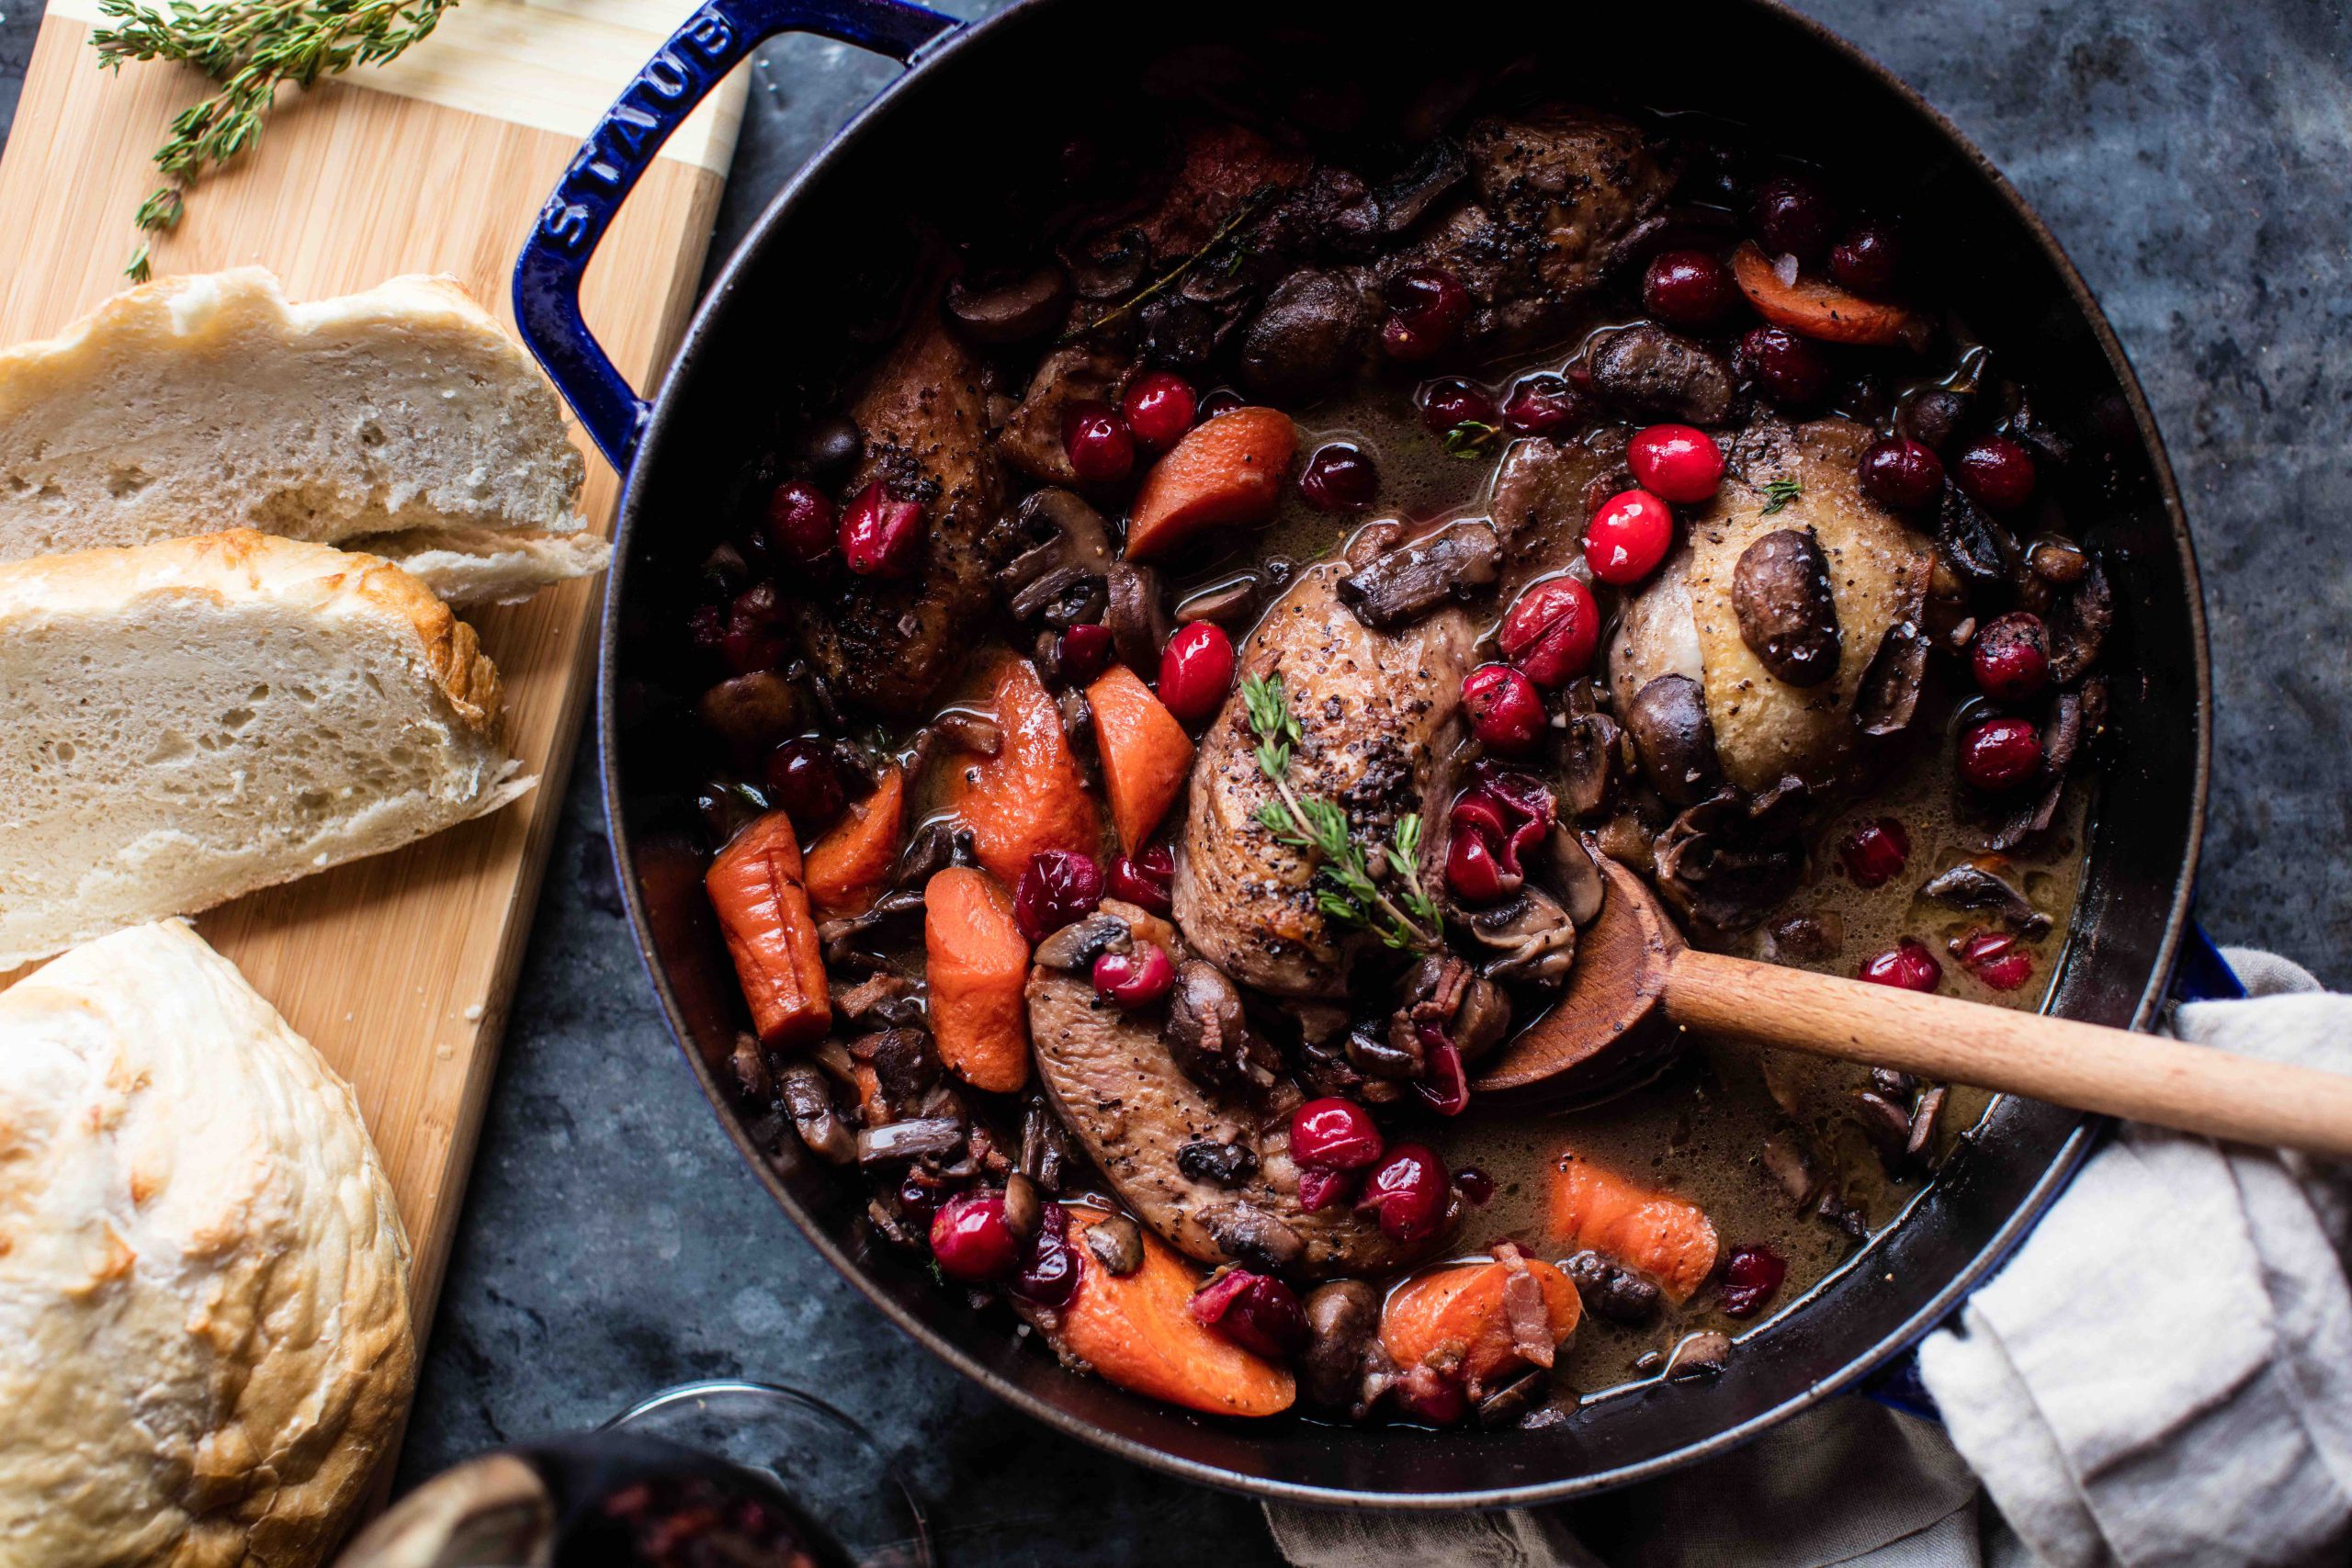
1688,288
805,781
882,537
971,1239
1336,1134
1195,671
1257,1312
1453,401
1224,399
1867,258
1901,473
1321,1189
1473,872
1676,462
1750,1276
1793,217
1997,958
1446,1088
1789,369
1147,880
1083,651
751,637
2011,656
1049,1272
1552,631
1538,405
1427,308
1102,449
1907,964
1876,853
1628,537
1998,472
1158,406
801,522
2000,754
1506,711
1477,1189
1057,886
1136,978
1339,478
1405,1191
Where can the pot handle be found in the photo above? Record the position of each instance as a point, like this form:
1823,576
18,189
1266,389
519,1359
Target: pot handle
606,168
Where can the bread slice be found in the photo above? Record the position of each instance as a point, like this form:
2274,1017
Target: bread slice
196,718
199,404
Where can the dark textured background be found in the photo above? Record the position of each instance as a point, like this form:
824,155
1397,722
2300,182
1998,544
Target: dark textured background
2191,157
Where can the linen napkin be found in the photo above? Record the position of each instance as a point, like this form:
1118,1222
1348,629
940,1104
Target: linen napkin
2162,1376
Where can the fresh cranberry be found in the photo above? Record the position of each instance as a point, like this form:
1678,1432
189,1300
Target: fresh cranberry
1159,406
1997,958
1792,216
882,537
1427,308
1083,651
1505,711
1867,258
1472,870
1257,1312
2011,656
1628,537
752,638
1195,671
1336,1134
1049,1272
1446,1088
1057,887
1901,473
1676,462
1147,880
1453,401
1998,472
1339,478
1136,978
1750,1276
2000,754
1224,399
1406,1192
1688,288
918,1196
1321,1189
801,522
1789,369
1552,631
1876,853
1907,964
1477,1189
805,781
971,1239
1538,405
1102,448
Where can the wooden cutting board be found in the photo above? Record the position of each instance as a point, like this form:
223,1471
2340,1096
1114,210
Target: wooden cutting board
400,969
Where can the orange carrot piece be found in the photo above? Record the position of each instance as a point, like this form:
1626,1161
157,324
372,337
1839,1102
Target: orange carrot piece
978,962
1228,469
1139,1333
849,866
1456,1318
1030,796
1669,1239
756,885
1818,309
1147,756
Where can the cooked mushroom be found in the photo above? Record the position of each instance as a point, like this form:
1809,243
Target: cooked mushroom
1779,592
1886,1125
1313,332
808,1100
1647,370
1809,938
976,733
1889,694
1976,547
1208,1034
1482,1020
2078,624
938,846
1225,1164
1024,1210
1108,263
1726,862
1931,416
906,1068
1614,1294
910,1139
1456,563
1069,559
1924,1117
1699,1356
1573,875
1972,886
1117,1245
1386,1059
1044,1146
1226,603
1251,1235
752,711
1078,944
1515,1399
1421,184
1012,311
1136,616
1586,755
1341,1318
1674,739
879,1001
1531,938
1789,1164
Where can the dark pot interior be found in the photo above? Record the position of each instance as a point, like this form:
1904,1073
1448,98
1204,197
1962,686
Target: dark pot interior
947,134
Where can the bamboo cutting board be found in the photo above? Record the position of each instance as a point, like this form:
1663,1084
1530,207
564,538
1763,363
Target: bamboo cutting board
398,968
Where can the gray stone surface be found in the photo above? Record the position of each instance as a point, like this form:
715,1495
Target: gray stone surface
2192,160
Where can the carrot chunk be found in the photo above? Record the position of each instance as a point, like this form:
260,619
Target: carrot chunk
978,962
1226,471
1147,756
756,885
1818,309
849,867
1139,1333
1460,1318
1671,1240
1030,796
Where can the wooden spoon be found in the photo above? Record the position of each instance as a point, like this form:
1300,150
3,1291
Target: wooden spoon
1636,988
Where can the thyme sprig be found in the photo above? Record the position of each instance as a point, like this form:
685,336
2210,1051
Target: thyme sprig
1470,439
1350,889
251,48
1249,208
1778,493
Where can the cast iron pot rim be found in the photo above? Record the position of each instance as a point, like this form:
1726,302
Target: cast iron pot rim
1944,1302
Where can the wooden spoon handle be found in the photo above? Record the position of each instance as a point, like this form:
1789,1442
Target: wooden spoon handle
2148,1077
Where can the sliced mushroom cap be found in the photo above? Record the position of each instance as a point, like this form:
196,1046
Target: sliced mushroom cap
1248,1232
1117,1245
1975,547
1341,1318
1012,311
1889,694
1208,1033
1726,862
1648,369
1587,757
1108,263
1313,332
808,1100
1417,187
1971,886
1779,592
1674,739
1078,944
1228,604
1136,616
1454,564
1069,537
1530,937
1571,874
2079,625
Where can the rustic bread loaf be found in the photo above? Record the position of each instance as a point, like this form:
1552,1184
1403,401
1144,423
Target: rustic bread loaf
197,404
196,718
205,1335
